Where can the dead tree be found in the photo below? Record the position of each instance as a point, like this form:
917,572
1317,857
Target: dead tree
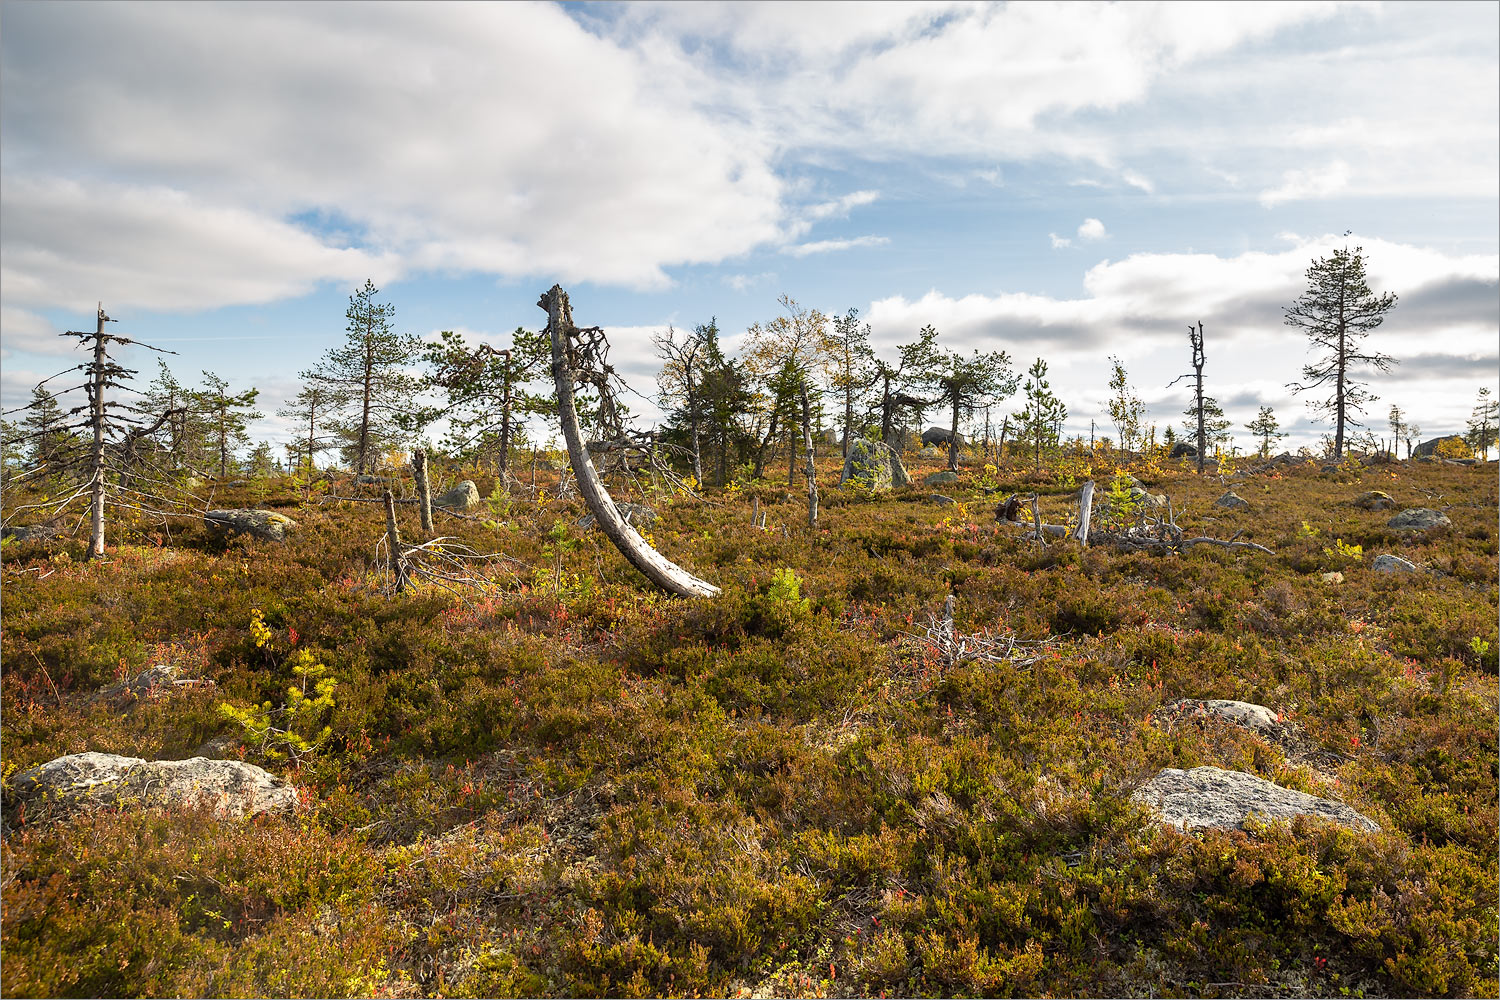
1195,338
578,355
424,491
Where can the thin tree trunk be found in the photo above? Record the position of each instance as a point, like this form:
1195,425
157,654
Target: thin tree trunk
96,456
812,471
393,539
364,417
652,564
953,437
424,491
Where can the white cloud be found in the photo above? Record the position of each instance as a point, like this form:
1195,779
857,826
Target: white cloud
839,207
22,330
407,123
1140,181
1091,230
1058,242
1300,185
829,246
745,282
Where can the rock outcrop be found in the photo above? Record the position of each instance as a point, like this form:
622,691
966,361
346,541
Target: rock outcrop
263,524
1213,798
1241,713
87,781
941,436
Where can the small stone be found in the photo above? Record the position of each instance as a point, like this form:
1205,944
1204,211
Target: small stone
1375,500
1232,501
1387,563
1213,798
1419,518
1334,577
160,678
940,478
941,500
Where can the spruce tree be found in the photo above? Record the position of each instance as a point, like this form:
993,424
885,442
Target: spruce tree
1041,420
227,416
1266,427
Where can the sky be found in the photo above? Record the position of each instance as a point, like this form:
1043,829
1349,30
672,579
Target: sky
1063,181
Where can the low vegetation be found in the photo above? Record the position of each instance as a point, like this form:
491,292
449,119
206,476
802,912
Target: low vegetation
569,785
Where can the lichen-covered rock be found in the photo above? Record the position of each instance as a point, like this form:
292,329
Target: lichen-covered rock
264,524
160,678
464,496
637,515
1232,501
87,781
1375,500
1211,797
1419,518
940,479
874,464
1387,563
940,500
1241,713
32,532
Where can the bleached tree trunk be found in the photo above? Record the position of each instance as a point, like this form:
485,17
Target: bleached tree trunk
652,564
96,451
812,470
1085,512
393,539
424,489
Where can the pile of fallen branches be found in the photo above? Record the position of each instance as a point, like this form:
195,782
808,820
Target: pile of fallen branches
1150,531
985,646
445,563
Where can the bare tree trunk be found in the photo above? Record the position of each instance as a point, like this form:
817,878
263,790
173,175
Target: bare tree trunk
504,470
96,455
953,437
393,539
1196,338
652,564
812,471
424,491
1085,513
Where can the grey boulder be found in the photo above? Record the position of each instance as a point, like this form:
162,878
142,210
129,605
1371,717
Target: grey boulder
1375,500
1232,501
1241,713
264,524
940,479
1387,563
875,465
87,781
1419,518
1213,798
940,500
941,436
464,496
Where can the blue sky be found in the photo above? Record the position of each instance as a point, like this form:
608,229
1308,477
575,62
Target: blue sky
1064,181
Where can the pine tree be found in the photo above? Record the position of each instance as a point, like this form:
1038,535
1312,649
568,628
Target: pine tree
913,373
1337,311
1483,424
227,416
310,412
366,375
966,383
850,365
1266,427
1040,421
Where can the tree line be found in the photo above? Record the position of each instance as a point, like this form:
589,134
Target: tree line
799,376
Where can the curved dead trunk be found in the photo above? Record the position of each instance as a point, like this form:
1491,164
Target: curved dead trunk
657,568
